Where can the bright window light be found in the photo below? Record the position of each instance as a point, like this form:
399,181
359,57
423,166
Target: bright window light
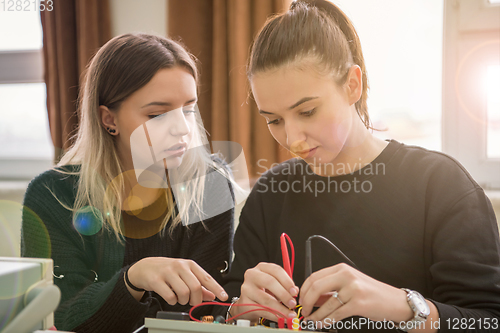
20,30
24,125
403,56
493,111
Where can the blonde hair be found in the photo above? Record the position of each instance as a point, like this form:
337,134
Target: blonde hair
123,65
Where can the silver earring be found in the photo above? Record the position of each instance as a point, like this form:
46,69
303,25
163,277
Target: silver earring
222,271
57,276
96,278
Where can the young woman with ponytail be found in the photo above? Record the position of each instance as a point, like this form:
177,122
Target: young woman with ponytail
420,232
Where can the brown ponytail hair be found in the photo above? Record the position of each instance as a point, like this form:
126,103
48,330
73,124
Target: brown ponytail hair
311,28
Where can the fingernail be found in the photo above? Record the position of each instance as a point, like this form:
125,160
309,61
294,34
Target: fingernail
292,315
294,291
223,294
291,303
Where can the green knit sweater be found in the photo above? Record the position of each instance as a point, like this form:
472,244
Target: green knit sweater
100,301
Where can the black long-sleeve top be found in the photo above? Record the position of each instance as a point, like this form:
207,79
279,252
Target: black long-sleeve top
412,218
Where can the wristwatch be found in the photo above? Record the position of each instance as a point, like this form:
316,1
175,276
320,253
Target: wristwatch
420,310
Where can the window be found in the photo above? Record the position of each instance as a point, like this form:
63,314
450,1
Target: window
434,72
26,148
402,46
471,105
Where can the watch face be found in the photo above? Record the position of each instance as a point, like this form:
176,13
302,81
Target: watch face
420,304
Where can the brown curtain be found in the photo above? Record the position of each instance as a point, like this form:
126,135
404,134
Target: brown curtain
219,33
72,32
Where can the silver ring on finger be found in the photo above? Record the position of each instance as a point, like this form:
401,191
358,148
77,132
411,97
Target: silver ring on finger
336,295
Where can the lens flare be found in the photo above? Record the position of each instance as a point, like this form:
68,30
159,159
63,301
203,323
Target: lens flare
88,220
10,227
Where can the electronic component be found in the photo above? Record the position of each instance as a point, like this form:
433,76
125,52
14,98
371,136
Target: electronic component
172,315
243,322
207,319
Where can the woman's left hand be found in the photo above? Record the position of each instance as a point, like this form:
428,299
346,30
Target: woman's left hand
360,294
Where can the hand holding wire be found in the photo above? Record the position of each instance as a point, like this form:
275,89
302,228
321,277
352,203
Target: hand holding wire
270,285
341,291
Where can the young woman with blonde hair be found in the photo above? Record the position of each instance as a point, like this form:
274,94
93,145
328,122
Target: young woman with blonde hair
118,214
419,235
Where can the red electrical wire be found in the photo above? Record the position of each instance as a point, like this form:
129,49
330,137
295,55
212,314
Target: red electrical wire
248,311
288,265
284,255
293,251
260,307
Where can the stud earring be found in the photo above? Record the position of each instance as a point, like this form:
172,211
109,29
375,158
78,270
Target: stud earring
111,130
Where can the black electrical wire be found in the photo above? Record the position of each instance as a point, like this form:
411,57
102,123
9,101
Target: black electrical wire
161,309
309,254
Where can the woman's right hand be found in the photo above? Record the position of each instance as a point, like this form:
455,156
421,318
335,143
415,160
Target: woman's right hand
175,280
266,284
